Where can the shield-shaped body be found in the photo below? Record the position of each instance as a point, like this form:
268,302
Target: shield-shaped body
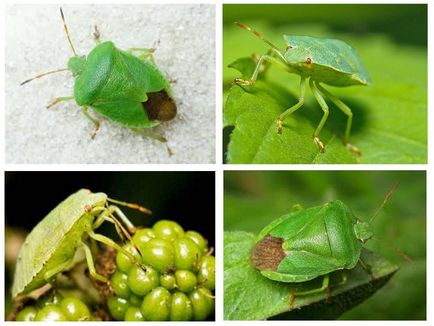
326,60
55,239
118,85
301,246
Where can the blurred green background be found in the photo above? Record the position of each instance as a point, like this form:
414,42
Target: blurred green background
391,40
252,199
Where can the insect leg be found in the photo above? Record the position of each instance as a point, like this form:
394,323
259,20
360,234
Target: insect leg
325,108
96,34
345,109
102,217
264,58
96,122
295,107
324,286
109,242
146,54
91,265
150,134
56,100
56,270
106,215
130,226
367,268
343,279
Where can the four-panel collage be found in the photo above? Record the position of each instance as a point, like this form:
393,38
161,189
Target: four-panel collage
216,161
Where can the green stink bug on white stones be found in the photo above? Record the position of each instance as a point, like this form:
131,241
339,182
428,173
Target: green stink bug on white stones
321,60
304,245
52,244
125,87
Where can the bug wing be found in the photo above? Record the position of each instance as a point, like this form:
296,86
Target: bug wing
146,73
45,237
125,113
301,267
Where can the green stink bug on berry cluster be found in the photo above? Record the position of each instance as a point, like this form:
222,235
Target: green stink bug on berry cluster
125,87
321,61
51,246
311,243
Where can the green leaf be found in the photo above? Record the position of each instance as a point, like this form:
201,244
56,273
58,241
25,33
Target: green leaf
390,116
250,296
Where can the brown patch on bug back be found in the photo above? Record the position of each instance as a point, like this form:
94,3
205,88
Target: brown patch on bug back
268,253
308,61
160,106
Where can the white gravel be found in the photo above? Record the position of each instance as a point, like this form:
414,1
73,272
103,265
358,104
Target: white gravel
36,42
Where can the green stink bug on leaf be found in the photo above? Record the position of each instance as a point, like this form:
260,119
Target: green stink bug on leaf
125,87
303,245
321,60
51,246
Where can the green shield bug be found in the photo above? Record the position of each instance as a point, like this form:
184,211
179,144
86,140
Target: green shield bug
304,245
51,246
321,60
125,87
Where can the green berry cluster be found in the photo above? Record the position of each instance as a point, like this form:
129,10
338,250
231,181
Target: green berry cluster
173,277
56,308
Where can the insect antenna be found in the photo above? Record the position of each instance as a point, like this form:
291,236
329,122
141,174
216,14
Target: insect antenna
67,32
131,205
123,233
396,250
385,201
257,34
43,74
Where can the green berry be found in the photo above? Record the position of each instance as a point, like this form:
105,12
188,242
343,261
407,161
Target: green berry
187,254
141,282
119,284
202,302
50,313
168,281
75,309
49,299
142,236
133,314
168,230
135,300
185,280
206,276
123,262
156,305
181,307
158,253
198,239
27,314
117,307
